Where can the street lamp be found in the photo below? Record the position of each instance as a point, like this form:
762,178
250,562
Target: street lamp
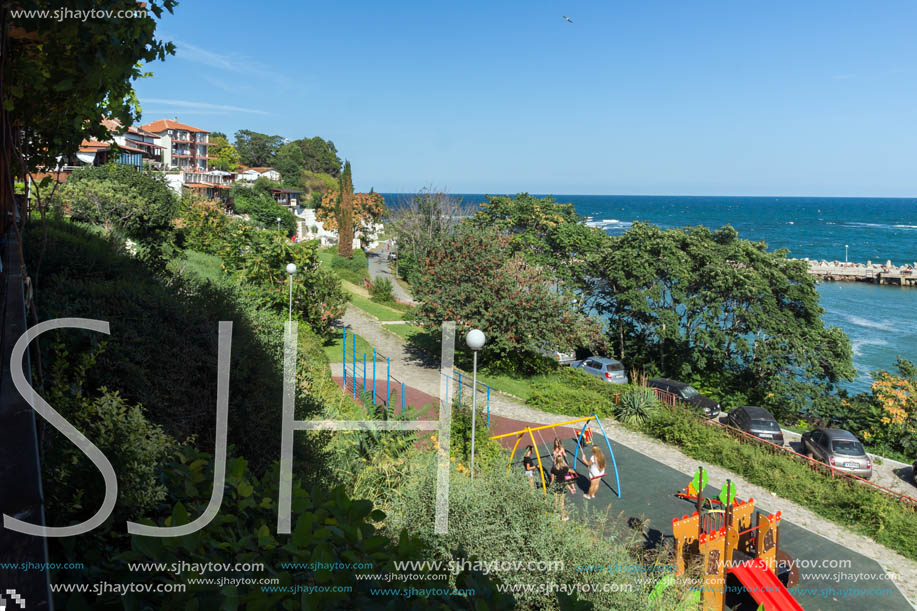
845,252
278,223
291,270
475,341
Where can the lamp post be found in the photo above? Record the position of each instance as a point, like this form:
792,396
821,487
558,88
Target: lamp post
291,270
475,341
278,223
845,252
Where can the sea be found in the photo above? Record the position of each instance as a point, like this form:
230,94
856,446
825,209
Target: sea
881,321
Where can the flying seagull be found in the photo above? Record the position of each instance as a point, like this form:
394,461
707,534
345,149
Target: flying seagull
567,18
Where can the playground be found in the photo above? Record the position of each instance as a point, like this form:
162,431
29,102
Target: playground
659,503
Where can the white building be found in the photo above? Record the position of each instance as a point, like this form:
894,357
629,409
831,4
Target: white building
253,174
308,227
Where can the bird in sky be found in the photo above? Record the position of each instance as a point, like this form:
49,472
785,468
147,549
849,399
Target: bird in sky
567,18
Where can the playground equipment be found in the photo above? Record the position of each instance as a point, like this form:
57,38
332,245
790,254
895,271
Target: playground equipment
720,532
531,430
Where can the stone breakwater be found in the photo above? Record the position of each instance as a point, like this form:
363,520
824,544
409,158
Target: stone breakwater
876,273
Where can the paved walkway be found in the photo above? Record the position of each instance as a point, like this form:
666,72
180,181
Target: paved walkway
423,373
377,260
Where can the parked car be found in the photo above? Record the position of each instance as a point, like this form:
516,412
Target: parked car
756,421
562,358
688,394
603,368
838,448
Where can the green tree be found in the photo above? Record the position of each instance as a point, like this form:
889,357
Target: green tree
345,214
419,223
263,210
227,157
291,165
475,279
60,77
549,234
320,156
260,259
698,303
256,149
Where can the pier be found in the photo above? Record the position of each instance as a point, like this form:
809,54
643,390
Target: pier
841,271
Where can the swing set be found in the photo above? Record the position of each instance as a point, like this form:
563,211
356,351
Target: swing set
537,429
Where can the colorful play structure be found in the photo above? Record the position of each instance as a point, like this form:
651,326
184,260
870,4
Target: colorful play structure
530,431
738,560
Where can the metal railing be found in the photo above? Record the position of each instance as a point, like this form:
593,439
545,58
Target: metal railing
465,381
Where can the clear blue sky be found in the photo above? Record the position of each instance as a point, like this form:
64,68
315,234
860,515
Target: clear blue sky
707,98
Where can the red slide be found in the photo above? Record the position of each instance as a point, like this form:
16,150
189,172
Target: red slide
764,586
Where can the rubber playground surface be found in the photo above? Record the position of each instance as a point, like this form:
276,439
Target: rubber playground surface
849,581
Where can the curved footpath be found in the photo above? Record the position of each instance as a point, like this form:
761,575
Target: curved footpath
377,261
422,372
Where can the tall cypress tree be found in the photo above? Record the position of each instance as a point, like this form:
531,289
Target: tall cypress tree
345,220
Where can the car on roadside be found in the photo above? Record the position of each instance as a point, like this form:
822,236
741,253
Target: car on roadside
603,368
756,421
838,448
561,358
688,394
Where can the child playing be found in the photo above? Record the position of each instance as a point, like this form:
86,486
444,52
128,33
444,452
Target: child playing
596,471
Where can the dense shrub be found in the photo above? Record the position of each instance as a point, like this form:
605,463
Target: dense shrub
139,205
574,393
262,209
487,452
162,351
328,527
636,405
381,290
498,517
855,506
352,270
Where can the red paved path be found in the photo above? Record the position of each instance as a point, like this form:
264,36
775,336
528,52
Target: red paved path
498,425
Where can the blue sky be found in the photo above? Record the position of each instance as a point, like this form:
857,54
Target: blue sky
701,98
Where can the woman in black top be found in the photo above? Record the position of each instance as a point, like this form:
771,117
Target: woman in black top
558,482
528,465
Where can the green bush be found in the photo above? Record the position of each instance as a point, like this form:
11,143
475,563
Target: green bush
574,393
855,506
487,452
162,351
636,405
352,270
262,209
498,517
328,527
381,290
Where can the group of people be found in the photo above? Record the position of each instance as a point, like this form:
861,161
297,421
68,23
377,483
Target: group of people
562,476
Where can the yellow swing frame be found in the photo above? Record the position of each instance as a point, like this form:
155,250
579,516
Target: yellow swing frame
531,430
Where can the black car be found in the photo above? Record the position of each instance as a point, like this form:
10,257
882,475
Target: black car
756,421
688,394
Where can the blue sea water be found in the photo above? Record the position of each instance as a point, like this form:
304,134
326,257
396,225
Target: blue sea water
881,321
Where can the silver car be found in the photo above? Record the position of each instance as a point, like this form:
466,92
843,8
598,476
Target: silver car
838,448
603,368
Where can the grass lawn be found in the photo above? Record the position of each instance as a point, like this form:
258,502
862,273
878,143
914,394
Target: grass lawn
353,270
333,351
203,265
376,309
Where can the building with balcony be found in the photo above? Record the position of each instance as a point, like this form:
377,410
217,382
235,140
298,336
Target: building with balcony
184,147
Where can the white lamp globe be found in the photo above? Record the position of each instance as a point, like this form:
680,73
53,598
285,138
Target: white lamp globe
475,339
291,268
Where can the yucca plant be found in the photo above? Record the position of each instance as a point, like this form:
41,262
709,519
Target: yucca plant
639,403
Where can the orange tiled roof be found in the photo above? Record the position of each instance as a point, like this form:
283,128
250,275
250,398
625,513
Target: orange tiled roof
262,170
164,124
